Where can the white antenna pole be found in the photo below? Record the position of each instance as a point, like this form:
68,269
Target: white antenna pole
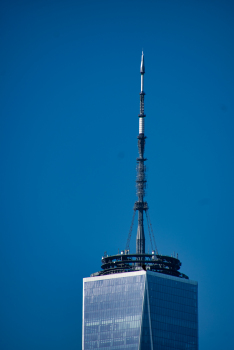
142,115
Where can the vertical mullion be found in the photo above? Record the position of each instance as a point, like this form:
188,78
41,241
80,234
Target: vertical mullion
147,291
142,313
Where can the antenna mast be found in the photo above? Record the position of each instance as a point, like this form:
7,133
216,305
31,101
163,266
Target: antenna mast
126,261
140,205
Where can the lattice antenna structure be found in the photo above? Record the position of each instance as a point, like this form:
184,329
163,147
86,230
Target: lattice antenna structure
140,204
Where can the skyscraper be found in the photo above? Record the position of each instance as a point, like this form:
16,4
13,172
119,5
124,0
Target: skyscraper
140,301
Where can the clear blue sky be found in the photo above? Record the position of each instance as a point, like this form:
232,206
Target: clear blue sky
70,88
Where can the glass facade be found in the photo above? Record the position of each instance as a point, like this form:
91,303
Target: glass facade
112,311
173,312
139,310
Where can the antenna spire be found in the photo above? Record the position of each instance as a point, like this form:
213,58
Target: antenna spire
126,262
140,205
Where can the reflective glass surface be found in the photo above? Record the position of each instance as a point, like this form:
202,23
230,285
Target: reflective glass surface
112,312
142,311
173,313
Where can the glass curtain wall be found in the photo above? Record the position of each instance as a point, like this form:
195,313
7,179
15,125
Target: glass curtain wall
173,313
141,310
112,312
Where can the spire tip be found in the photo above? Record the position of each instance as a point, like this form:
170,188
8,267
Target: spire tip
142,68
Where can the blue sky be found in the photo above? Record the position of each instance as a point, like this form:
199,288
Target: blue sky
70,88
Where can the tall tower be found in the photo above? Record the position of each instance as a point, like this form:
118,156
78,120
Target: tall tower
140,301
